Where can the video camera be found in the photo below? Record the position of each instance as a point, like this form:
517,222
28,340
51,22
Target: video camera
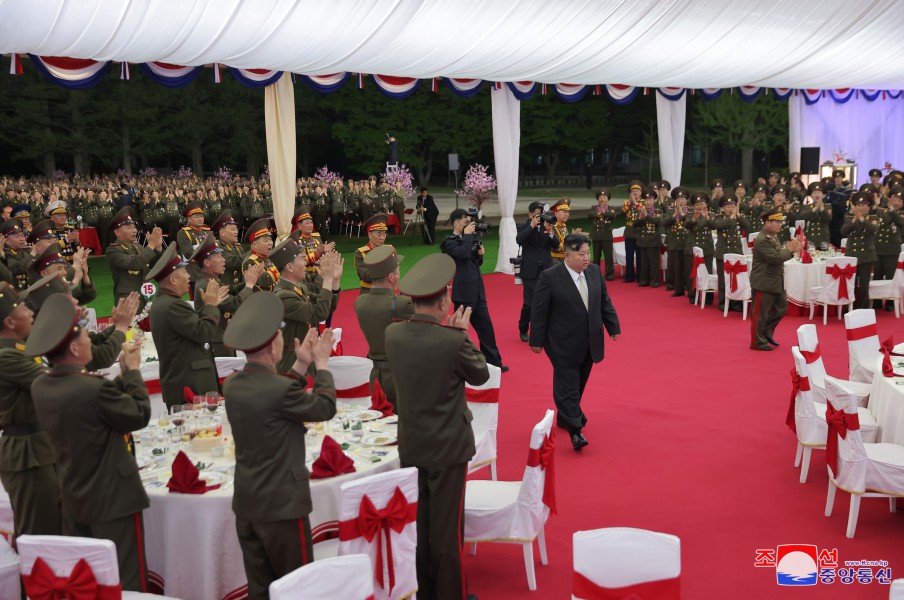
547,218
480,227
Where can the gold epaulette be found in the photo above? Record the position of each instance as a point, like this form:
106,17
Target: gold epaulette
364,249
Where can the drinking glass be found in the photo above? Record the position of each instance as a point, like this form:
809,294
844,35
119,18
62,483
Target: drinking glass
178,419
212,400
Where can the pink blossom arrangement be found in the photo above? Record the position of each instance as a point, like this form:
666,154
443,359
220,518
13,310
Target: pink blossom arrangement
325,176
121,173
223,174
60,174
479,186
401,173
148,172
184,172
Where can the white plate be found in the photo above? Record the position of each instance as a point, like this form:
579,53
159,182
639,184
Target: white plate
390,420
379,439
369,415
212,477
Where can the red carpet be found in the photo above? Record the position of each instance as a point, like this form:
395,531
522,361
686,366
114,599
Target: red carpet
687,436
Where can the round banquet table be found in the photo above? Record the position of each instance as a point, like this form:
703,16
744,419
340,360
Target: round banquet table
799,278
190,539
886,401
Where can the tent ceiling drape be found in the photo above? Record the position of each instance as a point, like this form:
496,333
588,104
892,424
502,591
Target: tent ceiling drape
817,44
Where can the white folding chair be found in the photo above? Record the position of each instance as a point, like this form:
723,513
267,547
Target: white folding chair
483,400
810,418
624,562
382,496
705,283
896,591
862,470
742,292
9,571
863,344
837,288
63,553
618,248
890,289
338,578
513,511
351,375
808,342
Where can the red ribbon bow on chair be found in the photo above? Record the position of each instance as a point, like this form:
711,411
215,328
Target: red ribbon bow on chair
698,260
812,357
42,584
839,423
798,384
733,268
842,274
544,457
372,523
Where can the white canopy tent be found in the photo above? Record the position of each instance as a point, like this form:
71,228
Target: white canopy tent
817,44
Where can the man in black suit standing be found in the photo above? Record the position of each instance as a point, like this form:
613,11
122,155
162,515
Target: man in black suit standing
571,306
467,286
427,207
536,239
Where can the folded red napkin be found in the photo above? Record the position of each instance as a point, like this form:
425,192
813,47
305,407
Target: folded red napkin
805,257
188,394
379,402
887,369
185,477
332,461
889,346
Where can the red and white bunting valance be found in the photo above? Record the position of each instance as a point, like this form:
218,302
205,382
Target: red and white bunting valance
326,84
256,78
464,87
171,75
396,87
72,73
570,92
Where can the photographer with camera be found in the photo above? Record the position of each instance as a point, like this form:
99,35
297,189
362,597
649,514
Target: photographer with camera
536,239
465,246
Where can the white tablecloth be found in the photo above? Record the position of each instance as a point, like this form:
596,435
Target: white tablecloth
886,402
191,541
799,278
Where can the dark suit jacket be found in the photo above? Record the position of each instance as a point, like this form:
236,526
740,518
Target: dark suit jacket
267,411
467,286
560,323
85,417
535,246
430,209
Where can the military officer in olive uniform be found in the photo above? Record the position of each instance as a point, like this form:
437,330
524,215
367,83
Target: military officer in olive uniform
632,256
817,213
27,460
716,191
649,240
435,432
675,241
376,234
51,261
13,252
209,258
731,229
64,232
23,213
601,218
268,411
303,311
889,238
309,241
756,206
767,280
320,209
260,235
379,309
699,225
227,231
128,261
190,236
562,211
860,228
85,417
779,201
182,333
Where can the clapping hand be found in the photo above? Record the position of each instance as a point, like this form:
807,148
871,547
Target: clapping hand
214,293
322,348
792,245
155,238
125,311
130,359
253,273
72,236
460,319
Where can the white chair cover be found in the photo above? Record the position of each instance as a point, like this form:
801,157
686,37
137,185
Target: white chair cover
485,409
380,489
896,591
808,341
618,246
890,289
92,319
7,525
619,557
61,553
863,353
705,281
810,422
827,293
743,279
9,571
352,377
341,578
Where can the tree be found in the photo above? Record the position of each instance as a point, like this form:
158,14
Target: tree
704,136
759,125
649,146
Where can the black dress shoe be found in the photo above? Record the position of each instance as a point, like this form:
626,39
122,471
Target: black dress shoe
524,337
654,285
773,342
643,285
504,368
765,348
578,441
669,287
472,596
626,280
676,294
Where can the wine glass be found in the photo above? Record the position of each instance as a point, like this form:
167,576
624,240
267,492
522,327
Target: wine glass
212,399
178,418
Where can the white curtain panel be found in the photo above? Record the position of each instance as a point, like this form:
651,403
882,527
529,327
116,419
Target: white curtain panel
870,133
506,149
671,116
279,117
834,44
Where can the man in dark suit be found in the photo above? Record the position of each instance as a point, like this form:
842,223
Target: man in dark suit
536,239
427,207
85,417
571,306
431,364
268,411
467,287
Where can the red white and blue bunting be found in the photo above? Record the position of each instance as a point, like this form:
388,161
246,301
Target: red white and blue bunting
79,74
